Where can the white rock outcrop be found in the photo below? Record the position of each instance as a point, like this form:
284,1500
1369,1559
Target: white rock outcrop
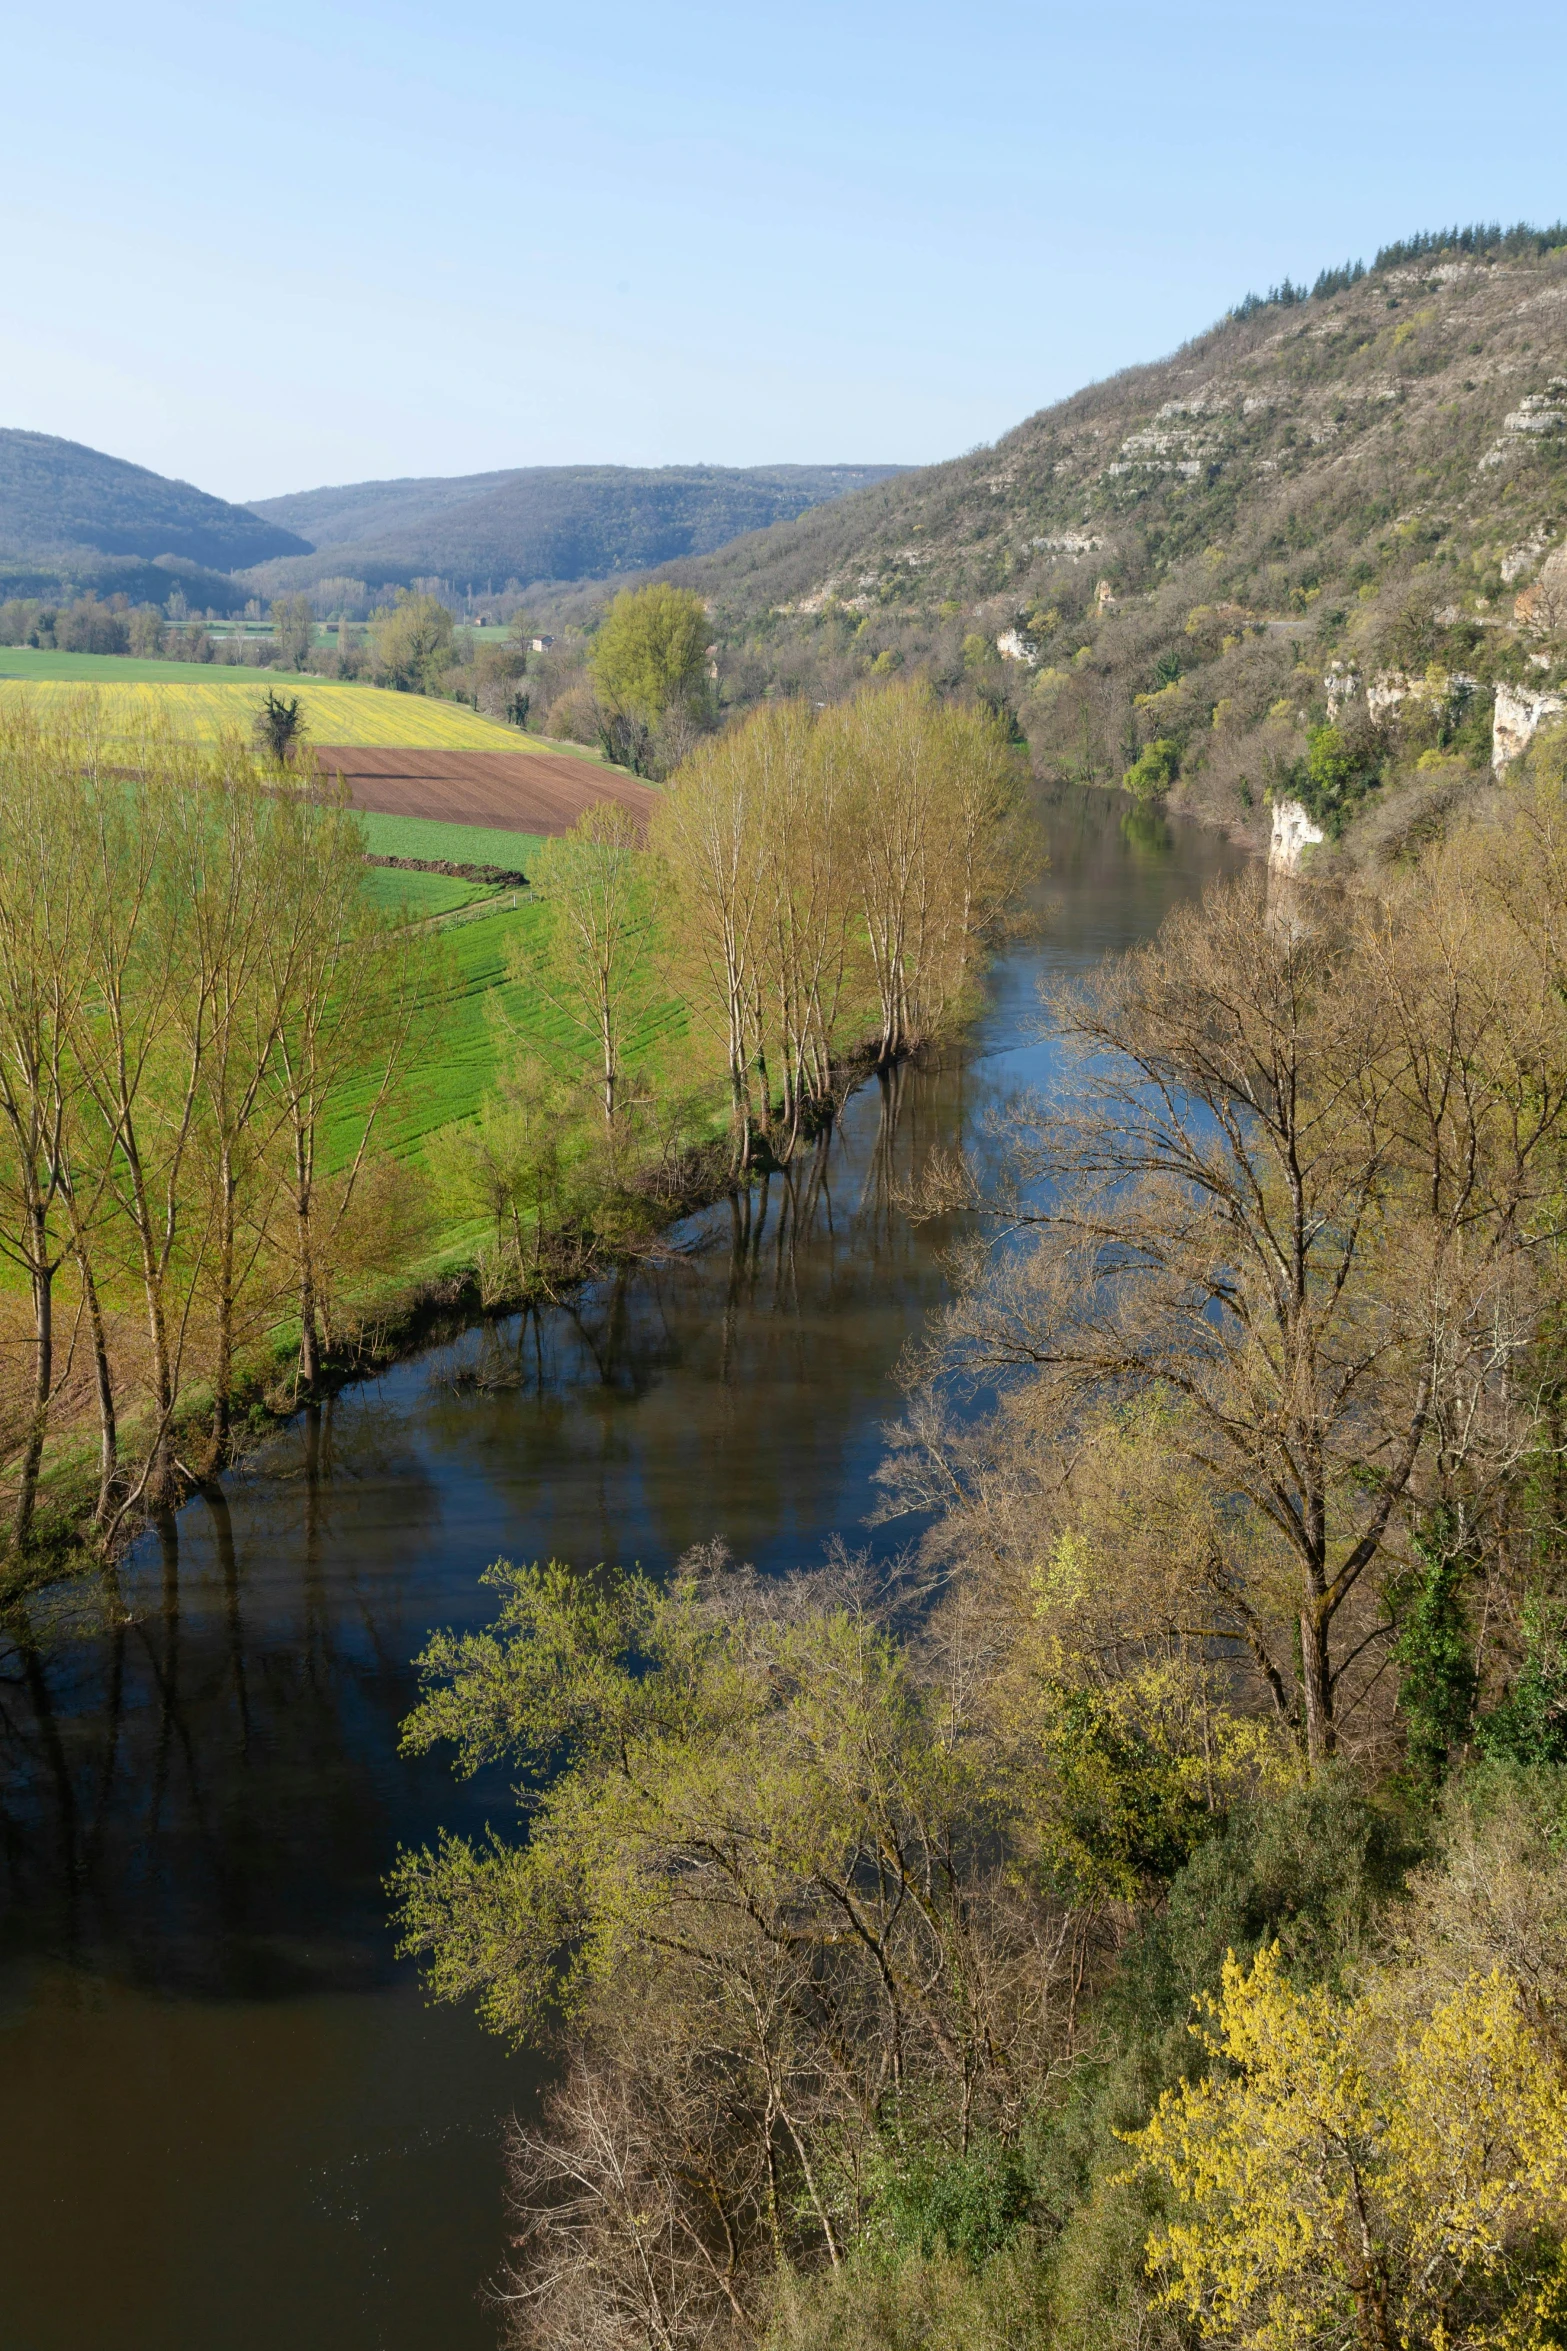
1520,714
1293,834
1012,645
1071,542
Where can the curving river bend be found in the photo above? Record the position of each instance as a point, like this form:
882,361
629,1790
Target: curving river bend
226,2117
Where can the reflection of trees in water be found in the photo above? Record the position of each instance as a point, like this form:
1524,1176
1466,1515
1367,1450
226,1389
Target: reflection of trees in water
198,1792
779,1252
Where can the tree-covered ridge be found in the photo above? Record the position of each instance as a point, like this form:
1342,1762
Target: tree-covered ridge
59,495
542,522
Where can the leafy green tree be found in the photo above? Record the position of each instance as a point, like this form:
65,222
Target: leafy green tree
1342,764
506,1164
1153,772
90,627
497,683
594,881
412,644
1437,1691
293,630
651,652
1529,1725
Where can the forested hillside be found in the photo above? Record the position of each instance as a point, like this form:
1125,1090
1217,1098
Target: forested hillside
1367,476
539,522
57,495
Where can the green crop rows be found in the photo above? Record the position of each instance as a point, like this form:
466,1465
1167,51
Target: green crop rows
458,844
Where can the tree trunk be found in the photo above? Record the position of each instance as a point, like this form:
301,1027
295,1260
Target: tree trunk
309,1339
43,1383
1316,1683
223,1367
103,1378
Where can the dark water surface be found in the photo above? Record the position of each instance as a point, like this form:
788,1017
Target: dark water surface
226,2117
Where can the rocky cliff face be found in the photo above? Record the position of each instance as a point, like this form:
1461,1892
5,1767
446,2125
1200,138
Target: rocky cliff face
1517,719
1292,835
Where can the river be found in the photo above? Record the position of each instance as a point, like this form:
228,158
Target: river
228,2121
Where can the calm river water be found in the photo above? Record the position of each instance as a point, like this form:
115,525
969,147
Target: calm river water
227,2120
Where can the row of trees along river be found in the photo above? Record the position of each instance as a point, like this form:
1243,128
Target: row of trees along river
205,1018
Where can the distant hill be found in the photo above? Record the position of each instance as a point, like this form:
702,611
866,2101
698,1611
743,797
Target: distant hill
1368,475
538,523
60,498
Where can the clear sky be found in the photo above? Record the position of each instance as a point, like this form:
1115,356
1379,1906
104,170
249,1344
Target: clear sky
266,247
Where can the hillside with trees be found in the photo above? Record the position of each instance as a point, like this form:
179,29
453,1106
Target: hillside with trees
535,523
58,496
1365,482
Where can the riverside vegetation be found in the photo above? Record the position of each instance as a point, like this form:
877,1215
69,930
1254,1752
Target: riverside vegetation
1140,1916
258,1103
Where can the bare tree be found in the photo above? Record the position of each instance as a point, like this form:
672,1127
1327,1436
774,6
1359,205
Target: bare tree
1298,1204
348,989
593,880
42,916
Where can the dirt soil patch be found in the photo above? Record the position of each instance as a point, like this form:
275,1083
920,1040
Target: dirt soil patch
510,791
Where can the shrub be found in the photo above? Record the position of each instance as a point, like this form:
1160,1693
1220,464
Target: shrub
1153,772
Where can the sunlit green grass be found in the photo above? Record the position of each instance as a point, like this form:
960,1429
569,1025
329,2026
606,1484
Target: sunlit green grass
458,844
475,1018
117,669
418,895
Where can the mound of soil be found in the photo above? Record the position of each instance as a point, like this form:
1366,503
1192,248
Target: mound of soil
513,791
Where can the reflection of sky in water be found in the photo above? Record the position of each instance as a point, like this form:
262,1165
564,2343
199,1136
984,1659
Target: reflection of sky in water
197,1812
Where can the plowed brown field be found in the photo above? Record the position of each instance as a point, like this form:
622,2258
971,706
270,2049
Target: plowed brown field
516,791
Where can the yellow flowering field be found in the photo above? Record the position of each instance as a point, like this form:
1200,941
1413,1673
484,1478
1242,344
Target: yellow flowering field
334,713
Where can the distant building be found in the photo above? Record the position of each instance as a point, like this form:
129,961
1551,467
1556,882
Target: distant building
541,644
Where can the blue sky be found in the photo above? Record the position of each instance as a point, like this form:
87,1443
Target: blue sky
266,248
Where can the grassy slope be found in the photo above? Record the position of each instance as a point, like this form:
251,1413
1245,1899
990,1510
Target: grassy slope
418,896
457,844
477,1015
96,669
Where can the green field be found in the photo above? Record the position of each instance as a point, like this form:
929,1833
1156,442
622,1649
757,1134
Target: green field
419,895
474,1008
459,844
119,669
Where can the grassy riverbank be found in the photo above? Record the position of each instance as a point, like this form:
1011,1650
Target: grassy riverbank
483,1004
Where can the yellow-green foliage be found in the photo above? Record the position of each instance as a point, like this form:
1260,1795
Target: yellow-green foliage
1383,2168
334,713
